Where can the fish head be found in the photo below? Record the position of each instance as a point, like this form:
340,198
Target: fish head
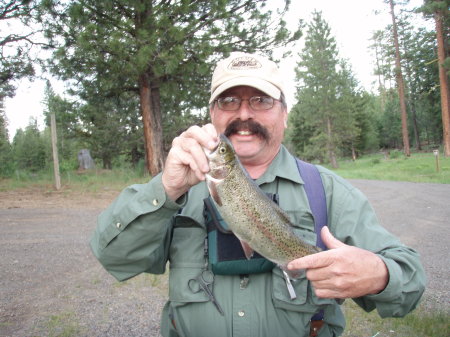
222,159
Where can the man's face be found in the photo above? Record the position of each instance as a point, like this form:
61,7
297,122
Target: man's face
256,134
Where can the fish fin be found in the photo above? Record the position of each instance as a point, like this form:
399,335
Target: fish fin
248,251
211,183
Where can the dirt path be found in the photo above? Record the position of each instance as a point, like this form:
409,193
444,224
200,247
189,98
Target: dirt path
51,284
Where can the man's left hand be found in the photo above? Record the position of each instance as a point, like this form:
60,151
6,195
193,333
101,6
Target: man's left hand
343,271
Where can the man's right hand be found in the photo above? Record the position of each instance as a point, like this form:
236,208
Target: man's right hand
186,163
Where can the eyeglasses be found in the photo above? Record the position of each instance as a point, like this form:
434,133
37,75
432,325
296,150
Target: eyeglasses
257,103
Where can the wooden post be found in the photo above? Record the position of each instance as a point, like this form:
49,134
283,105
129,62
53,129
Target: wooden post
55,152
436,154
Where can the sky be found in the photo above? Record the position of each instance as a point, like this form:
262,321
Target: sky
352,23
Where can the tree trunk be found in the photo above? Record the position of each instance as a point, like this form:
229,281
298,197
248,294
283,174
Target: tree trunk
331,152
415,126
400,85
152,127
443,79
157,125
353,153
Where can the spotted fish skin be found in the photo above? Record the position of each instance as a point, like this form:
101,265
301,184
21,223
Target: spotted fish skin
259,223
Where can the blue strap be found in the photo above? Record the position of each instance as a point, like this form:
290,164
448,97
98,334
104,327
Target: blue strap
318,204
316,197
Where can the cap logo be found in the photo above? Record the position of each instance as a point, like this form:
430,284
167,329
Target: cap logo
245,62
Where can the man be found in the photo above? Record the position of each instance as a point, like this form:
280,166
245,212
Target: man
163,221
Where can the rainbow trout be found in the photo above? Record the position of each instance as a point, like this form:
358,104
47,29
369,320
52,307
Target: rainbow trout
259,223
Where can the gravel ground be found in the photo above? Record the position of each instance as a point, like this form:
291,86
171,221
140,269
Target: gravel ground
51,284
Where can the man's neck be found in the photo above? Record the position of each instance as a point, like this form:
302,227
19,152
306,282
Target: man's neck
256,169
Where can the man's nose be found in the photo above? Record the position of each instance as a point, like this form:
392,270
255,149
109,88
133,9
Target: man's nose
245,112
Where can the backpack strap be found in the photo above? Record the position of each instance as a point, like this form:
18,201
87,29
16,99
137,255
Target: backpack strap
316,197
317,202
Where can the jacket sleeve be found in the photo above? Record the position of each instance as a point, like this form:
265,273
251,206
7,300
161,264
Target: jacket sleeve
133,235
354,222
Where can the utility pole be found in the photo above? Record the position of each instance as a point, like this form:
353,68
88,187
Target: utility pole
55,152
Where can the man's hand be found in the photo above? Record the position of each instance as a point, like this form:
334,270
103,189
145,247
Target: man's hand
343,271
186,163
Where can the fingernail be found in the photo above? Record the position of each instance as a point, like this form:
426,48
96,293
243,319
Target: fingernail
212,144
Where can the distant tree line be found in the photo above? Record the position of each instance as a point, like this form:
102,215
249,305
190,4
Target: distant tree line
334,117
138,74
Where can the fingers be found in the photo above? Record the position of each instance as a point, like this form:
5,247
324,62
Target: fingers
322,259
206,136
192,143
186,162
343,271
329,240
189,152
317,260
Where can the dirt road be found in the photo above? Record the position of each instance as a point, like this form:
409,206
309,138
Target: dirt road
51,284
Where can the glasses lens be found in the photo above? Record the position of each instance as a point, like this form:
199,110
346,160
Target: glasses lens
229,103
256,103
261,102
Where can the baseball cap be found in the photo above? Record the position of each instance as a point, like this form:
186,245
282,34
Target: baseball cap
246,69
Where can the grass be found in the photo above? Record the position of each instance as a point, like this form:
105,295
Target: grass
419,323
419,167
86,181
62,325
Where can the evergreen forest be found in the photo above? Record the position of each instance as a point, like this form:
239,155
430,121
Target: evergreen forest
137,73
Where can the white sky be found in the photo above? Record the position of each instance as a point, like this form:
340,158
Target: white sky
352,23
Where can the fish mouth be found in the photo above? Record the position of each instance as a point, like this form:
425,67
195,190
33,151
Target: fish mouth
208,153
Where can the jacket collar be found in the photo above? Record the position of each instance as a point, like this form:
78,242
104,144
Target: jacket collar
283,166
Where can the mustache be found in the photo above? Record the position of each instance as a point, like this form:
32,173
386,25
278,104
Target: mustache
250,125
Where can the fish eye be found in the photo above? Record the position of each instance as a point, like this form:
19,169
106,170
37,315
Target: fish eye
222,150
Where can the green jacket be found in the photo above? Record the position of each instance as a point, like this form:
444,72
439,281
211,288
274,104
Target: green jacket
143,230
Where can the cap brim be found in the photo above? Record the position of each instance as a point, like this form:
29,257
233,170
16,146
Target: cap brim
260,84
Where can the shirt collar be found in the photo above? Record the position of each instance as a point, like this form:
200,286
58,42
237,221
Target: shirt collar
283,166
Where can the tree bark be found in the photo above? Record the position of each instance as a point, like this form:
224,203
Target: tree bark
331,152
152,127
443,79
400,85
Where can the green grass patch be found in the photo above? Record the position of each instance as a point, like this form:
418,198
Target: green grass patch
419,167
62,325
419,323
96,180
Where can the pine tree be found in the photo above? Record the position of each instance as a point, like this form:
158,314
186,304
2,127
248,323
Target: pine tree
417,49
440,10
19,42
323,119
158,50
29,149
400,83
6,161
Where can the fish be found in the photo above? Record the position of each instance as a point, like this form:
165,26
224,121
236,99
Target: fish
258,222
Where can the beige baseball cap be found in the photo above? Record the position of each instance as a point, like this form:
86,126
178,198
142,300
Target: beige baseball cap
246,69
